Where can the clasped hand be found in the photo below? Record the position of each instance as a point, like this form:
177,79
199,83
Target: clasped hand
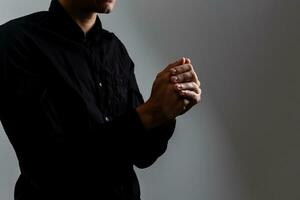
175,90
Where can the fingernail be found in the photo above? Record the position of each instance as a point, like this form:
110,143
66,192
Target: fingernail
173,71
179,87
174,79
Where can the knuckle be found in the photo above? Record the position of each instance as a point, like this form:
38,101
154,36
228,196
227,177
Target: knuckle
194,74
188,93
194,85
191,67
178,69
195,95
197,81
180,77
190,75
180,86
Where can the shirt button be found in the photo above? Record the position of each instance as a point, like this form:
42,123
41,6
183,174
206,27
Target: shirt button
106,119
100,84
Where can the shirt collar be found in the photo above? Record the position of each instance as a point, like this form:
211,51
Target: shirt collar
67,26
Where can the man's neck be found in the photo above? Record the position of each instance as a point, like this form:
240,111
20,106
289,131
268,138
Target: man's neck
85,20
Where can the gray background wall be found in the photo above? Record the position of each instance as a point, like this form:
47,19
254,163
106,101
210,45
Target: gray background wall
242,141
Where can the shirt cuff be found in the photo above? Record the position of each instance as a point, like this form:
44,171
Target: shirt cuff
163,131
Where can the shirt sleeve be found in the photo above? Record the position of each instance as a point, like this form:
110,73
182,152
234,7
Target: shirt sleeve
20,88
20,79
129,138
153,142
145,145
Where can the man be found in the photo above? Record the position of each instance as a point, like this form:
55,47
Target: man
71,106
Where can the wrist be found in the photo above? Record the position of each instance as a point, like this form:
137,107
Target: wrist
150,115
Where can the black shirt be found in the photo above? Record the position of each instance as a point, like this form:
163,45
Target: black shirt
68,105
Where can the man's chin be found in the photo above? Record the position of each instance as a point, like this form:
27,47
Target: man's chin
106,10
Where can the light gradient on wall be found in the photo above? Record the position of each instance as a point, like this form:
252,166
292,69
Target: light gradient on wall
242,141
